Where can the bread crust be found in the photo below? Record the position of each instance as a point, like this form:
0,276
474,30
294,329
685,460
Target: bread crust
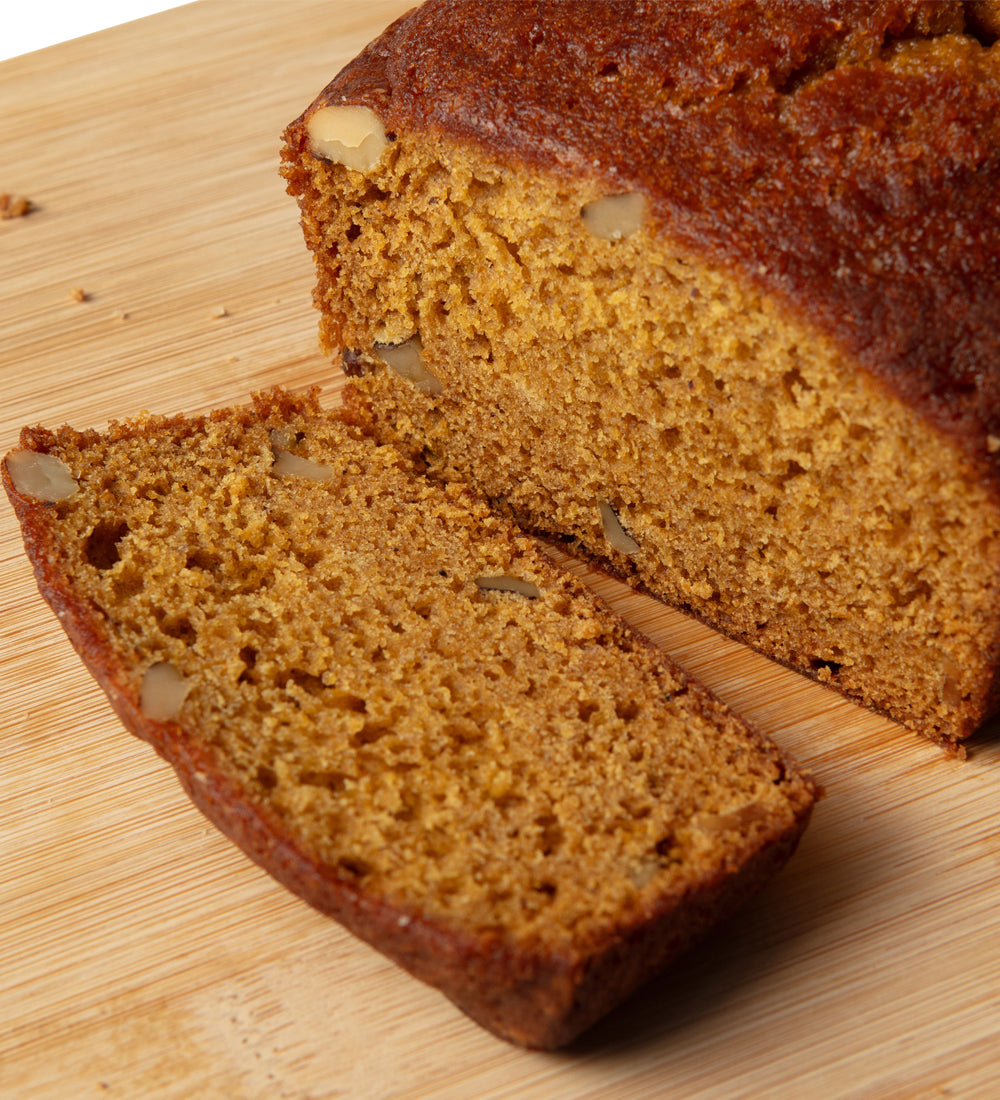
847,166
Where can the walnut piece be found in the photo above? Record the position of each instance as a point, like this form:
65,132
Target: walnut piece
406,359
41,476
287,464
348,135
616,535
163,692
738,820
508,584
615,216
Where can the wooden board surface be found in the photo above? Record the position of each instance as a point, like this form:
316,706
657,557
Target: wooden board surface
141,955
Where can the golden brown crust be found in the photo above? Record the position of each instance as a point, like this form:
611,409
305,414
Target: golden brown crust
847,165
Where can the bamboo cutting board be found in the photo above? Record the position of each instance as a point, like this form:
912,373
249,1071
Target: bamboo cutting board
141,955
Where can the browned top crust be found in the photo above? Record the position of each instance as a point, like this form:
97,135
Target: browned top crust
844,155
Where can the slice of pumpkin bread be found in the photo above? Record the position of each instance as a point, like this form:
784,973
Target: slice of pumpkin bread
391,700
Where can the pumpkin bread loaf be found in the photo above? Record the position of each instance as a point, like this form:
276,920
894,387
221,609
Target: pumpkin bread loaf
711,291
391,699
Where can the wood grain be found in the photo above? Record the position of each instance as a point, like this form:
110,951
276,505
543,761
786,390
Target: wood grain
142,956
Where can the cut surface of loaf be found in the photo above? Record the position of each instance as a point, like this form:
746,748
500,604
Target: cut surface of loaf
390,698
712,291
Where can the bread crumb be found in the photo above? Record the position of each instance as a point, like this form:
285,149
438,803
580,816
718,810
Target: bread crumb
78,294
120,315
220,311
14,206
992,444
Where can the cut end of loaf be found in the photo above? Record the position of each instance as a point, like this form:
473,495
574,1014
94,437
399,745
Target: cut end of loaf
742,353
667,418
